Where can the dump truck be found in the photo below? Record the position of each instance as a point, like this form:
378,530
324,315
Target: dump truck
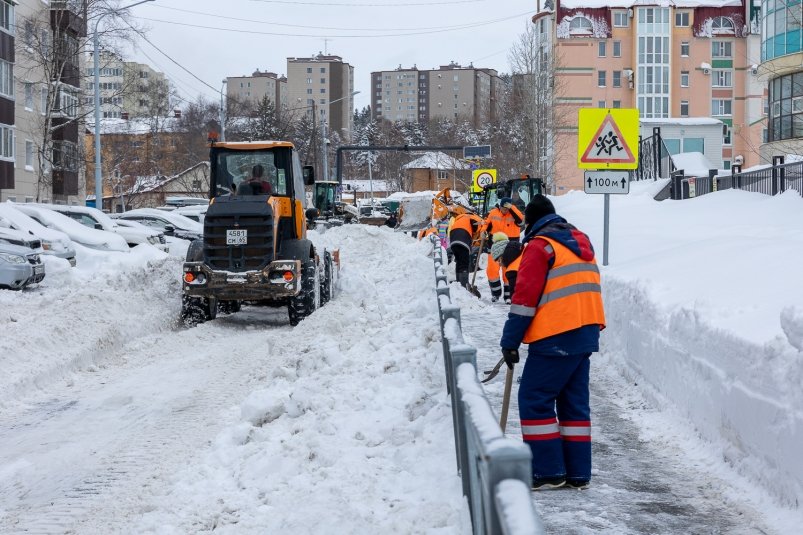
255,247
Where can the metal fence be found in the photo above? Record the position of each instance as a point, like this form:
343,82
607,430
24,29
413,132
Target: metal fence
496,471
772,180
654,160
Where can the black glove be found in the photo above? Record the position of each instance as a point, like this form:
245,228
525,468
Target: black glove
511,356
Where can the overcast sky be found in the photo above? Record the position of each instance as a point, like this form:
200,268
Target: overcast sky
214,39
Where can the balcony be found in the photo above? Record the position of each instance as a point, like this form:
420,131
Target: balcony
68,16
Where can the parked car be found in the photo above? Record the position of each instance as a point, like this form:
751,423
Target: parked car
88,237
18,237
94,218
196,212
171,223
19,267
54,242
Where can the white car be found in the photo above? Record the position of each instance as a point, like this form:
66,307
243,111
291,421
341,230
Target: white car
196,212
88,237
171,223
54,242
94,218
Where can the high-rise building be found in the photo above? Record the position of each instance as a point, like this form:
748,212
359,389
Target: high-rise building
672,62
40,92
782,67
451,91
250,90
127,88
323,85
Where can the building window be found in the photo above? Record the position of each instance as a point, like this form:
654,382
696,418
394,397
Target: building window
7,17
682,19
309,90
721,49
6,79
68,103
29,155
6,143
721,106
722,78
617,49
617,103
323,70
309,80
601,49
600,104
786,104
617,78
580,26
28,87
722,26
601,78
684,108
766,104
684,49
323,80
620,19
694,144
684,78
323,91
309,70
726,135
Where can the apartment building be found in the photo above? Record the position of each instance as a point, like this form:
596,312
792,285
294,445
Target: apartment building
782,67
450,92
127,88
40,84
322,85
696,59
250,90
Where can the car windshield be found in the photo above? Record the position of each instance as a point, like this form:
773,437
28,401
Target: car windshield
252,173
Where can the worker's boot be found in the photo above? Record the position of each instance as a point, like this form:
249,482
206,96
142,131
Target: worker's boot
496,289
507,294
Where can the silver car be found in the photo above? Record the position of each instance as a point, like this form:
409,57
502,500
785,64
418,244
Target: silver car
19,267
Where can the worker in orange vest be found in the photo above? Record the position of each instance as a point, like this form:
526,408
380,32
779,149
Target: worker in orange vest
463,230
507,253
505,218
557,310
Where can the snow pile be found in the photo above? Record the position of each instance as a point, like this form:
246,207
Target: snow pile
701,313
692,163
72,319
349,431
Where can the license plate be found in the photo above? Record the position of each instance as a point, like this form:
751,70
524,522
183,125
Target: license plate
38,270
236,237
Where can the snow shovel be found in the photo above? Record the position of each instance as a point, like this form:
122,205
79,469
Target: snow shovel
472,287
506,397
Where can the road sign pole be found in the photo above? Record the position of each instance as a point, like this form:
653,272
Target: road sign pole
606,230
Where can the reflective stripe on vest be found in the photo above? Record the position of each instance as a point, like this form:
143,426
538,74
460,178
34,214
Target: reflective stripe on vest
540,429
579,431
572,296
503,223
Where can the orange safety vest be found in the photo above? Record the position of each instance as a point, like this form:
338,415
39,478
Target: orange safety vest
514,266
463,221
426,232
500,222
572,296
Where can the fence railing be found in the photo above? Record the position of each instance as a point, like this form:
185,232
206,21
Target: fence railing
496,471
654,160
772,180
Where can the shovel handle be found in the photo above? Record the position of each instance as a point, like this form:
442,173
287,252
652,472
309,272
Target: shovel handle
506,398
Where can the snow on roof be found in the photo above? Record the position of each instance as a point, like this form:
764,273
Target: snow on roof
682,121
692,163
624,4
436,160
137,126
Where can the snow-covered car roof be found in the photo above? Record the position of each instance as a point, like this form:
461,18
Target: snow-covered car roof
26,223
96,239
177,220
20,237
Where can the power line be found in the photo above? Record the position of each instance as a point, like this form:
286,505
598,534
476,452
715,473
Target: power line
454,28
219,16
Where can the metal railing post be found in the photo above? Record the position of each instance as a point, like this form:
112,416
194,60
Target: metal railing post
777,161
656,153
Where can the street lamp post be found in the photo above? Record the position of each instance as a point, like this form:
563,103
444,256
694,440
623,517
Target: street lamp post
323,137
222,114
98,172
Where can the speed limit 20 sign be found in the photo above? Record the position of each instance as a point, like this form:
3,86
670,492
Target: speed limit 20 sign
482,178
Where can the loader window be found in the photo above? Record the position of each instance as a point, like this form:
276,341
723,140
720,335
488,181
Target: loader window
251,173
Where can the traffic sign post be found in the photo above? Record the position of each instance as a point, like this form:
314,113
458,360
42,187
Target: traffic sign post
482,178
607,141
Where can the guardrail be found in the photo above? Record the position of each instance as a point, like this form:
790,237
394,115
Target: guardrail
770,181
496,471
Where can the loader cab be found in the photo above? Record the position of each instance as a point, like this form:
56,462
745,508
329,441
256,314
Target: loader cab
324,197
521,190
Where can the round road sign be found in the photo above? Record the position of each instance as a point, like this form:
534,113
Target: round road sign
484,180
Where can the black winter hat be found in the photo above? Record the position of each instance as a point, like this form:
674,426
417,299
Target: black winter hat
538,207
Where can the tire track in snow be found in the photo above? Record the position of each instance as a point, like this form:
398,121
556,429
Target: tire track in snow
127,428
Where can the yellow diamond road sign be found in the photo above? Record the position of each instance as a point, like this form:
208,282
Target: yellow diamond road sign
482,178
607,138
